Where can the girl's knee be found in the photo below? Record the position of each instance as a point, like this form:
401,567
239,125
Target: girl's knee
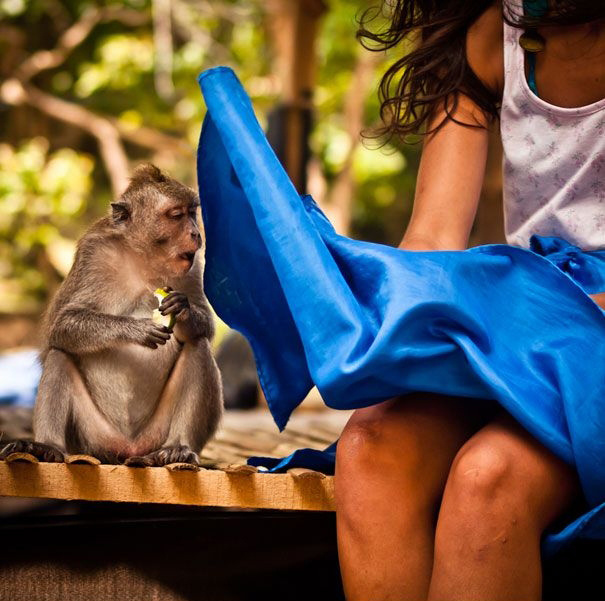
375,442
484,506
391,457
497,481
375,482
481,474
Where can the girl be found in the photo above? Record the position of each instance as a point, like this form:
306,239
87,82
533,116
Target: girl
439,497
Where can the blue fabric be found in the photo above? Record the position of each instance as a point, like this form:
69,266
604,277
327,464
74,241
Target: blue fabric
531,76
533,8
365,322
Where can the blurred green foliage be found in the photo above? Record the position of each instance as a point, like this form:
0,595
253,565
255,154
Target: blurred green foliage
52,179
41,196
384,175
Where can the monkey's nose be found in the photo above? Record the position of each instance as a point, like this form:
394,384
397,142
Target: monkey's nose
197,237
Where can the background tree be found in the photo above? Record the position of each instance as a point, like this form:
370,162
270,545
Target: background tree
89,88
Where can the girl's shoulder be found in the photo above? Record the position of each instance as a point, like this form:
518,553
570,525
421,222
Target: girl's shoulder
485,48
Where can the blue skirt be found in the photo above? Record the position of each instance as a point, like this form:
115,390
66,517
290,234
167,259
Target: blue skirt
365,322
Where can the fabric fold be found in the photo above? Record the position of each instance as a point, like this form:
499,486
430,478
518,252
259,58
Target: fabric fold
365,322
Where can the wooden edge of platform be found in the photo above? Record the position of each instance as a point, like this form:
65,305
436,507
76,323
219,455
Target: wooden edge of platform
303,473
237,487
25,457
84,459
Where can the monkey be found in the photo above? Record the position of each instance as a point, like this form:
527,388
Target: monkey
115,384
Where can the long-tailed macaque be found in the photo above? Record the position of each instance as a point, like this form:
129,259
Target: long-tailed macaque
115,384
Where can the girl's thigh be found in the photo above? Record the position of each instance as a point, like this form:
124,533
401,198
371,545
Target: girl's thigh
404,447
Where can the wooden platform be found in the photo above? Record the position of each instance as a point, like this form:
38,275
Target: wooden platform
224,481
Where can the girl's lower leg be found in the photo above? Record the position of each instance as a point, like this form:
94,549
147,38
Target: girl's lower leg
391,468
503,490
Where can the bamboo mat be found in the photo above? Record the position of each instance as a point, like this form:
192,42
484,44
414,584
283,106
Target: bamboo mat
246,433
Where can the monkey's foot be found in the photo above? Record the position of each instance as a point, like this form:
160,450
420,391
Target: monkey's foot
42,452
165,456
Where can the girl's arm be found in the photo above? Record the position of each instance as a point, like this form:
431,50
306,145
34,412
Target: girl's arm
453,158
449,184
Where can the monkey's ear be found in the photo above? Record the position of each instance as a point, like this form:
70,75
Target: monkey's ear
120,212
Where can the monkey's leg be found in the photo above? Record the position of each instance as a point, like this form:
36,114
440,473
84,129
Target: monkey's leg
65,416
189,409
51,413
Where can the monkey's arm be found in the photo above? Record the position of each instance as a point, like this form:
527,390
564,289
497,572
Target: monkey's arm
82,319
193,318
82,330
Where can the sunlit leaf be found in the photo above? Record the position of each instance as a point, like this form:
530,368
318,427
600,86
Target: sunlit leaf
376,163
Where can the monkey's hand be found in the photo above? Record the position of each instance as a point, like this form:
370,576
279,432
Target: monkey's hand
150,334
191,322
42,452
165,456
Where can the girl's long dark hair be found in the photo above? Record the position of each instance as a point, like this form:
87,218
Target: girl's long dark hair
434,71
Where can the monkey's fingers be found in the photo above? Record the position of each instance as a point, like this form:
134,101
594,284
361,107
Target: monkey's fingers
172,294
157,335
173,454
11,447
163,332
173,302
160,334
173,309
152,340
139,461
42,452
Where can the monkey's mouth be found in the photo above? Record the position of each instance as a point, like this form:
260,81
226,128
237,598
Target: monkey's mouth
188,257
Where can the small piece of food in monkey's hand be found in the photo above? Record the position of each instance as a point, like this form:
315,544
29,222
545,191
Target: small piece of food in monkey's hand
165,320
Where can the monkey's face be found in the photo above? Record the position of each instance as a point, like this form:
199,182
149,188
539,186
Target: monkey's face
177,235
159,217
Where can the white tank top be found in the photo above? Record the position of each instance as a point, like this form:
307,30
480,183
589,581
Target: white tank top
554,161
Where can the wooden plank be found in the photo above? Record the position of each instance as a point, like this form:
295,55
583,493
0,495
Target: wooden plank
213,488
79,458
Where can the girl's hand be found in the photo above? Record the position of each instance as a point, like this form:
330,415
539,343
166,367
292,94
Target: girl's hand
599,299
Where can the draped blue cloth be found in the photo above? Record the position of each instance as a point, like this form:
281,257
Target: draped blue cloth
365,322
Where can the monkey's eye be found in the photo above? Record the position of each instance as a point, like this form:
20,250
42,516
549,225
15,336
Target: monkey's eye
175,214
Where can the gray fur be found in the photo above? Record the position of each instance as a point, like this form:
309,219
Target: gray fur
114,383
